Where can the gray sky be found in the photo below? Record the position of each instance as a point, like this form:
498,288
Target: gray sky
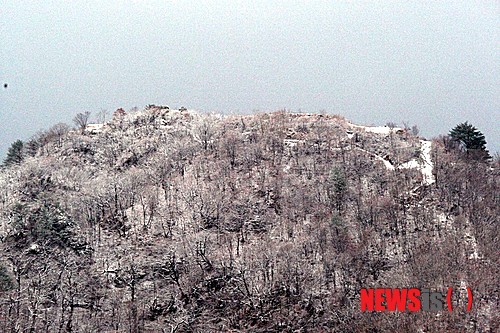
430,63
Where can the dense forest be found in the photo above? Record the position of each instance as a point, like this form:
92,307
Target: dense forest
165,220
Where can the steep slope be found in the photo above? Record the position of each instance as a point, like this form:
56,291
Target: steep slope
171,220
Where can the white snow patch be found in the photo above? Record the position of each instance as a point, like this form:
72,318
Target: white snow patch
247,133
34,247
292,142
377,129
471,241
94,128
412,164
388,165
427,165
444,221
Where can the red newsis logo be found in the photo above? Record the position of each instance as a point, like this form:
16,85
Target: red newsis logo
407,299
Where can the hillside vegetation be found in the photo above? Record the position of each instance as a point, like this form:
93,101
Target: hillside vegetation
174,221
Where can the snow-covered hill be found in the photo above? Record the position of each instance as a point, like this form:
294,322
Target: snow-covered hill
175,220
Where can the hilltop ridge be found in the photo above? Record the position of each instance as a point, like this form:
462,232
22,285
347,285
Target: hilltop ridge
175,220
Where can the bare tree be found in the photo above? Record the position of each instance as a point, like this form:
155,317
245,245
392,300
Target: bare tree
101,116
57,132
414,130
391,125
81,120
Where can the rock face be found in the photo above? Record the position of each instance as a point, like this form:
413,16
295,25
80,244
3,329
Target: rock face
171,220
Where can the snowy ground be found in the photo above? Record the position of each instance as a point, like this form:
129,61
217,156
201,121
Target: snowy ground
427,166
424,164
388,165
377,129
385,130
94,128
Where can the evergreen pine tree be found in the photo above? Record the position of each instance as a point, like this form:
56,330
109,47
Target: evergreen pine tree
471,140
15,154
